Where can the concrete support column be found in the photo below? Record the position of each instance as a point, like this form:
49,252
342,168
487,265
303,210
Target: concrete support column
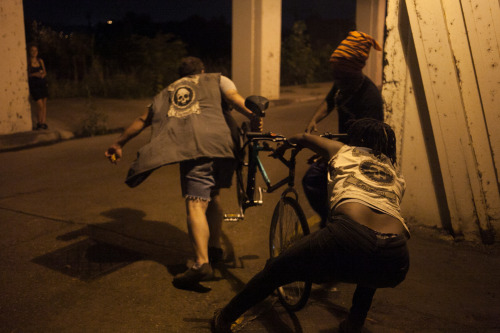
15,112
370,18
256,47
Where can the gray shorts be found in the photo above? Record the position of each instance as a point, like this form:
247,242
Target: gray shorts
202,178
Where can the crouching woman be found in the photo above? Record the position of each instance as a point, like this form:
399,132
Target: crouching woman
364,241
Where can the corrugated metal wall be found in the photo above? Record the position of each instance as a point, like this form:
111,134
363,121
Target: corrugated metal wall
441,86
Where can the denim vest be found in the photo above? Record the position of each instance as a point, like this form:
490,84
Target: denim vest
187,123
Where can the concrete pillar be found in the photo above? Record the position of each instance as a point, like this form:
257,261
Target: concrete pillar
370,18
256,47
15,112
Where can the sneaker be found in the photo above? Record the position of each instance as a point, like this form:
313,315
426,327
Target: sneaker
192,276
215,255
218,325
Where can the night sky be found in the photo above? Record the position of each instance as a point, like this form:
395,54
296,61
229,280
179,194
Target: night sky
62,13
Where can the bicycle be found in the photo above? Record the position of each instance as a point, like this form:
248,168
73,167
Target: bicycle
288,222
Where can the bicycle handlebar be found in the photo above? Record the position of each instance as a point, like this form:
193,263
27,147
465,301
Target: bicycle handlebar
270,136
274,137
329,135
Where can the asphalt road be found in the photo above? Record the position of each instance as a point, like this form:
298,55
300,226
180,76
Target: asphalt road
55,278
53,197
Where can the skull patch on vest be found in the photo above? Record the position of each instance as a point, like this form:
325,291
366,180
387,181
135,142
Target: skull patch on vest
183,102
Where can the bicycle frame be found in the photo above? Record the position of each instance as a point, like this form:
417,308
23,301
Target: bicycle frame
256,143
254,163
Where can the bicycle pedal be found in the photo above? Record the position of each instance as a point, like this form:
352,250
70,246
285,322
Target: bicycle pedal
233,217
260,201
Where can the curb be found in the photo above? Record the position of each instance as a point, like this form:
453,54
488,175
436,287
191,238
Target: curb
286,101
22,140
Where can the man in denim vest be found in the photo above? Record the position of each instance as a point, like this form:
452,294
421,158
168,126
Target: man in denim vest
189,128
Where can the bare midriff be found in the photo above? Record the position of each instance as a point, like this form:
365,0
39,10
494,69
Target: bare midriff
371,218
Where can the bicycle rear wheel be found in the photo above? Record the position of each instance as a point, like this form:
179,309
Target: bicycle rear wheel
288,225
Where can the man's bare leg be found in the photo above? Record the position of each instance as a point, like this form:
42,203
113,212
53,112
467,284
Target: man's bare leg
199,234
215,217
198,228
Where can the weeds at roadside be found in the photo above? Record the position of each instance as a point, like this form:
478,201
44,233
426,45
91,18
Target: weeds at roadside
95,121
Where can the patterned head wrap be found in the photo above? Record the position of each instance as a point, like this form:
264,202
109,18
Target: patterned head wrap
353,51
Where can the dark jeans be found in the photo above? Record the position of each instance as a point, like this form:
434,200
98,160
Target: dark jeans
343,251
315,189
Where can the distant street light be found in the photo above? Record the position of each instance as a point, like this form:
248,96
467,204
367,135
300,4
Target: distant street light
109,22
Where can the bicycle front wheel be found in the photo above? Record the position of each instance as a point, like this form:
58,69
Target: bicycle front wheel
288,225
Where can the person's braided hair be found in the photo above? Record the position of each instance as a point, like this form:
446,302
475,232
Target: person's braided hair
373,134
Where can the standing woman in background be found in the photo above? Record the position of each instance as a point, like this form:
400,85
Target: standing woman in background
38,86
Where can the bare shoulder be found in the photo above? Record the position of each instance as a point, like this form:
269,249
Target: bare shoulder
333,147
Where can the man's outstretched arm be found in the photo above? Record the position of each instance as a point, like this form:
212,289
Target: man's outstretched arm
320,114
114,152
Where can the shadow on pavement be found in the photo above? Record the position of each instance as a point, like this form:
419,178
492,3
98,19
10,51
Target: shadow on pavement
88,259
129,237
109,246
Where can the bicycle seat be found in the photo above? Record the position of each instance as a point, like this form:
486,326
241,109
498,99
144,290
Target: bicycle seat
257,104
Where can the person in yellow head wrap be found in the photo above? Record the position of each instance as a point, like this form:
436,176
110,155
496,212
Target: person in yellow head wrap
353,96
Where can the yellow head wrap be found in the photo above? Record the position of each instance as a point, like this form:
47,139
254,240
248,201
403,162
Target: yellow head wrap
353,51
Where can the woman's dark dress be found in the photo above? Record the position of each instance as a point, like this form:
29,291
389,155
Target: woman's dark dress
38,86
